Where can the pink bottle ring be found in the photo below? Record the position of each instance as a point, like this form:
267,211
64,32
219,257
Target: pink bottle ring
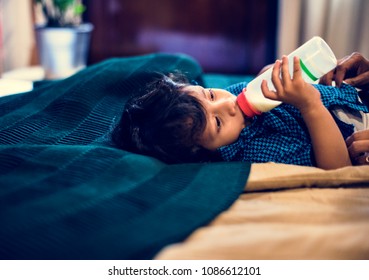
245,105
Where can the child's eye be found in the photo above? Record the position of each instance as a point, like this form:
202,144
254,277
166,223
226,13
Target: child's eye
217,120
211,94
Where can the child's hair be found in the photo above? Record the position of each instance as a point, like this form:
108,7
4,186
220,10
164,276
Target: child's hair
164,122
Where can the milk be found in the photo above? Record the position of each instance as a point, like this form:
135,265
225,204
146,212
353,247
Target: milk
316,60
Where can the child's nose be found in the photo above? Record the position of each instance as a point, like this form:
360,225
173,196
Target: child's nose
226,105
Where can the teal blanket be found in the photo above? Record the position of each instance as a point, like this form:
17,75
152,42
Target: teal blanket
67,193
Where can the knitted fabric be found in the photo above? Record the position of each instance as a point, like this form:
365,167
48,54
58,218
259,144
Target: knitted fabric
67,193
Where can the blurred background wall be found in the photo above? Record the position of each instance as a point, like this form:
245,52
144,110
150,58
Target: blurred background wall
228,36
232,36
17,38
344,24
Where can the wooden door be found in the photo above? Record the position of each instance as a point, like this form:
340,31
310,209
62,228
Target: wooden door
225,36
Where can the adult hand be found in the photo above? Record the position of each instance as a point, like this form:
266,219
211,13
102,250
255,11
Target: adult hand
352,69
358,147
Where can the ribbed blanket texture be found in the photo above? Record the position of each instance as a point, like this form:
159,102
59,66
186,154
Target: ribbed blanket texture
67,193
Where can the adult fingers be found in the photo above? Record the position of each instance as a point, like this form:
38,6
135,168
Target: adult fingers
361,81
339,75
357,136
358,144
327,78
344,65
362,160
357,148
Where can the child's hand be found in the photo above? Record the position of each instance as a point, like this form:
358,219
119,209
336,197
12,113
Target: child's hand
294,91
330,152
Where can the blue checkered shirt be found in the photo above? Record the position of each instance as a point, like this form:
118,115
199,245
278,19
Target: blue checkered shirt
281,135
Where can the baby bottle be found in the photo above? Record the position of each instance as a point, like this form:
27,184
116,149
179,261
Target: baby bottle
316,59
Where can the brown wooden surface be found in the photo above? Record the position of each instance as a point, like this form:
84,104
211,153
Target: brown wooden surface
225,36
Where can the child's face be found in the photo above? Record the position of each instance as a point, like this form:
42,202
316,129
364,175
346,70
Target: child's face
224,119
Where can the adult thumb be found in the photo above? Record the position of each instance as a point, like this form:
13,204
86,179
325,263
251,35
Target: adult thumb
361,81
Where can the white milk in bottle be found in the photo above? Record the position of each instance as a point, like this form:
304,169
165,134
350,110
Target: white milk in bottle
316,60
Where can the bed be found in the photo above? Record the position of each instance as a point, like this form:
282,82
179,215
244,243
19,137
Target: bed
288,212
67,193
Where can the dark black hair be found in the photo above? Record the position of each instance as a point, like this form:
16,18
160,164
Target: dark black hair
164,122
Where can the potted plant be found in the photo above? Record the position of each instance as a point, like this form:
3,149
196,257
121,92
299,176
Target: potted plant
62,38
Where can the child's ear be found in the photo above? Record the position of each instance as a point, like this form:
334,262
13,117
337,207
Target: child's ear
199,151
200,154
195,149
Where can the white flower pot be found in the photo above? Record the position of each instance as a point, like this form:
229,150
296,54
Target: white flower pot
63,50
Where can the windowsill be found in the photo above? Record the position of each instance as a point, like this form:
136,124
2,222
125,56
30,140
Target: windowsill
20,80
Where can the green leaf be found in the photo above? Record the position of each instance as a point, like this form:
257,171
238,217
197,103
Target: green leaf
79,9
63,5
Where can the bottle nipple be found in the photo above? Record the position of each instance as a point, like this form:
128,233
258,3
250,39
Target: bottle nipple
245,105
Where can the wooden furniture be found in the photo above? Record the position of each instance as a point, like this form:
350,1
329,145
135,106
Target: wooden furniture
236,36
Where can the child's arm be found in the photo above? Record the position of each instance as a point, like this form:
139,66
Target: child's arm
328,144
